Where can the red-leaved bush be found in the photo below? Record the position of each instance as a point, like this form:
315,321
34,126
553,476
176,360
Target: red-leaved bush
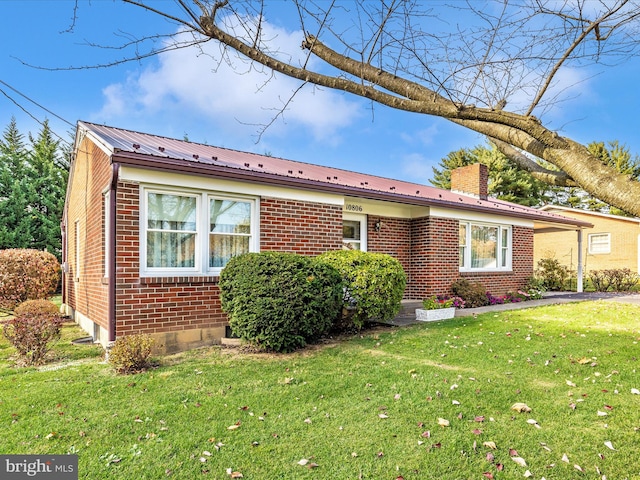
27,274
31,335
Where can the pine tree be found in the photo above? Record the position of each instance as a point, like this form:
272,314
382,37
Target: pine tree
15,225
46,190
506,181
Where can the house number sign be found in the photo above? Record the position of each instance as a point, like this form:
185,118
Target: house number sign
352,207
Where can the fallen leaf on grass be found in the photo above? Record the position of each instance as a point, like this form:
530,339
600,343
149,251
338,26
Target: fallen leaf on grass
479,418
527,474
488,475
491,445
565,458
602,414
521,407
579,468
520,461
234,474
609,445
234,426
570,383
381,415
443,423
635,391
533,422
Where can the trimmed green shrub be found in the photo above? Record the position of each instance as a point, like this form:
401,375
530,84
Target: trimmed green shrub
37,307
373,286
131,354
474,294
31,335
552,274
279,301
27,274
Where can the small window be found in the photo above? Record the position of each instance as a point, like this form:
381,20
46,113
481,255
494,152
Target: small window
599,243
354,232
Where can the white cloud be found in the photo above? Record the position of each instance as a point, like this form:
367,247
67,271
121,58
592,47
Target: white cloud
229,94
417,167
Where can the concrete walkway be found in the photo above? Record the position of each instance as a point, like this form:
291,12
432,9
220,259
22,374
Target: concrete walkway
407,314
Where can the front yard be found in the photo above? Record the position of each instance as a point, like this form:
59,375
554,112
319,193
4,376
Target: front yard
424,402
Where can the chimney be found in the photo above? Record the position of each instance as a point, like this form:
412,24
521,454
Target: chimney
471,180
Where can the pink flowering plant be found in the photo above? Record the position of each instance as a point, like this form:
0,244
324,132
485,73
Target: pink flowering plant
442,301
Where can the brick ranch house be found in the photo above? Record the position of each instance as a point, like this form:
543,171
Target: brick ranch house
149,223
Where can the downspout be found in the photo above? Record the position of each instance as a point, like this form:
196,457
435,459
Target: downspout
65,269
113,210
579,287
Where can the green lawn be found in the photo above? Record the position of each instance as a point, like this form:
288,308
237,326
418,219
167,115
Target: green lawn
363,408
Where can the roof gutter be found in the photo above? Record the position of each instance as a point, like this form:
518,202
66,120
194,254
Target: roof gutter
188,167
115,173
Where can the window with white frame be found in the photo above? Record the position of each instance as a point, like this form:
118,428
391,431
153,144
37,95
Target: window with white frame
194,233
354,232
599,243
484,246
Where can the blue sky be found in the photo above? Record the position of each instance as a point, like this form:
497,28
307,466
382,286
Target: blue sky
180,94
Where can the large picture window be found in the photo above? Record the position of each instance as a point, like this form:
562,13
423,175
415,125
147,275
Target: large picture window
484,247
194,233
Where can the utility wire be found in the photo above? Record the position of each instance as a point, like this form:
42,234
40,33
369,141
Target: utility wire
38,105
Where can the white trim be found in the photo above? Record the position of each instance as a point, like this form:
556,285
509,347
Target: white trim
233,187
606,244
466,267
589,212
363,228
466,216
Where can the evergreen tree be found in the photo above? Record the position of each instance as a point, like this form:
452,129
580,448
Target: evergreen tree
32,190
612,154
506,181
15,226
46,190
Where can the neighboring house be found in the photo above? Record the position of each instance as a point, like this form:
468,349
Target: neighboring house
614,241
150,222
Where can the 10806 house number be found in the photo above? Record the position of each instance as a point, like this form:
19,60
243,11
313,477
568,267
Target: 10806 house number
352,207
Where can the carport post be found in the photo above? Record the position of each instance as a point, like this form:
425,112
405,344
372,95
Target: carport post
579,286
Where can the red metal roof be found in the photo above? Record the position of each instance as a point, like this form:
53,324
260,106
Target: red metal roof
152,151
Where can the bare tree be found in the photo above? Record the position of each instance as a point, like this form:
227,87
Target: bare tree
487,66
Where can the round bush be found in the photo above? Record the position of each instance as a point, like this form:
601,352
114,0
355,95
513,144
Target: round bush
279,301
27,274
374,285
131,353
31,335
36,307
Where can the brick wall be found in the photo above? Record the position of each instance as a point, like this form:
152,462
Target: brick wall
86,290
393,238
157,305
434,256
471,179
306,228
